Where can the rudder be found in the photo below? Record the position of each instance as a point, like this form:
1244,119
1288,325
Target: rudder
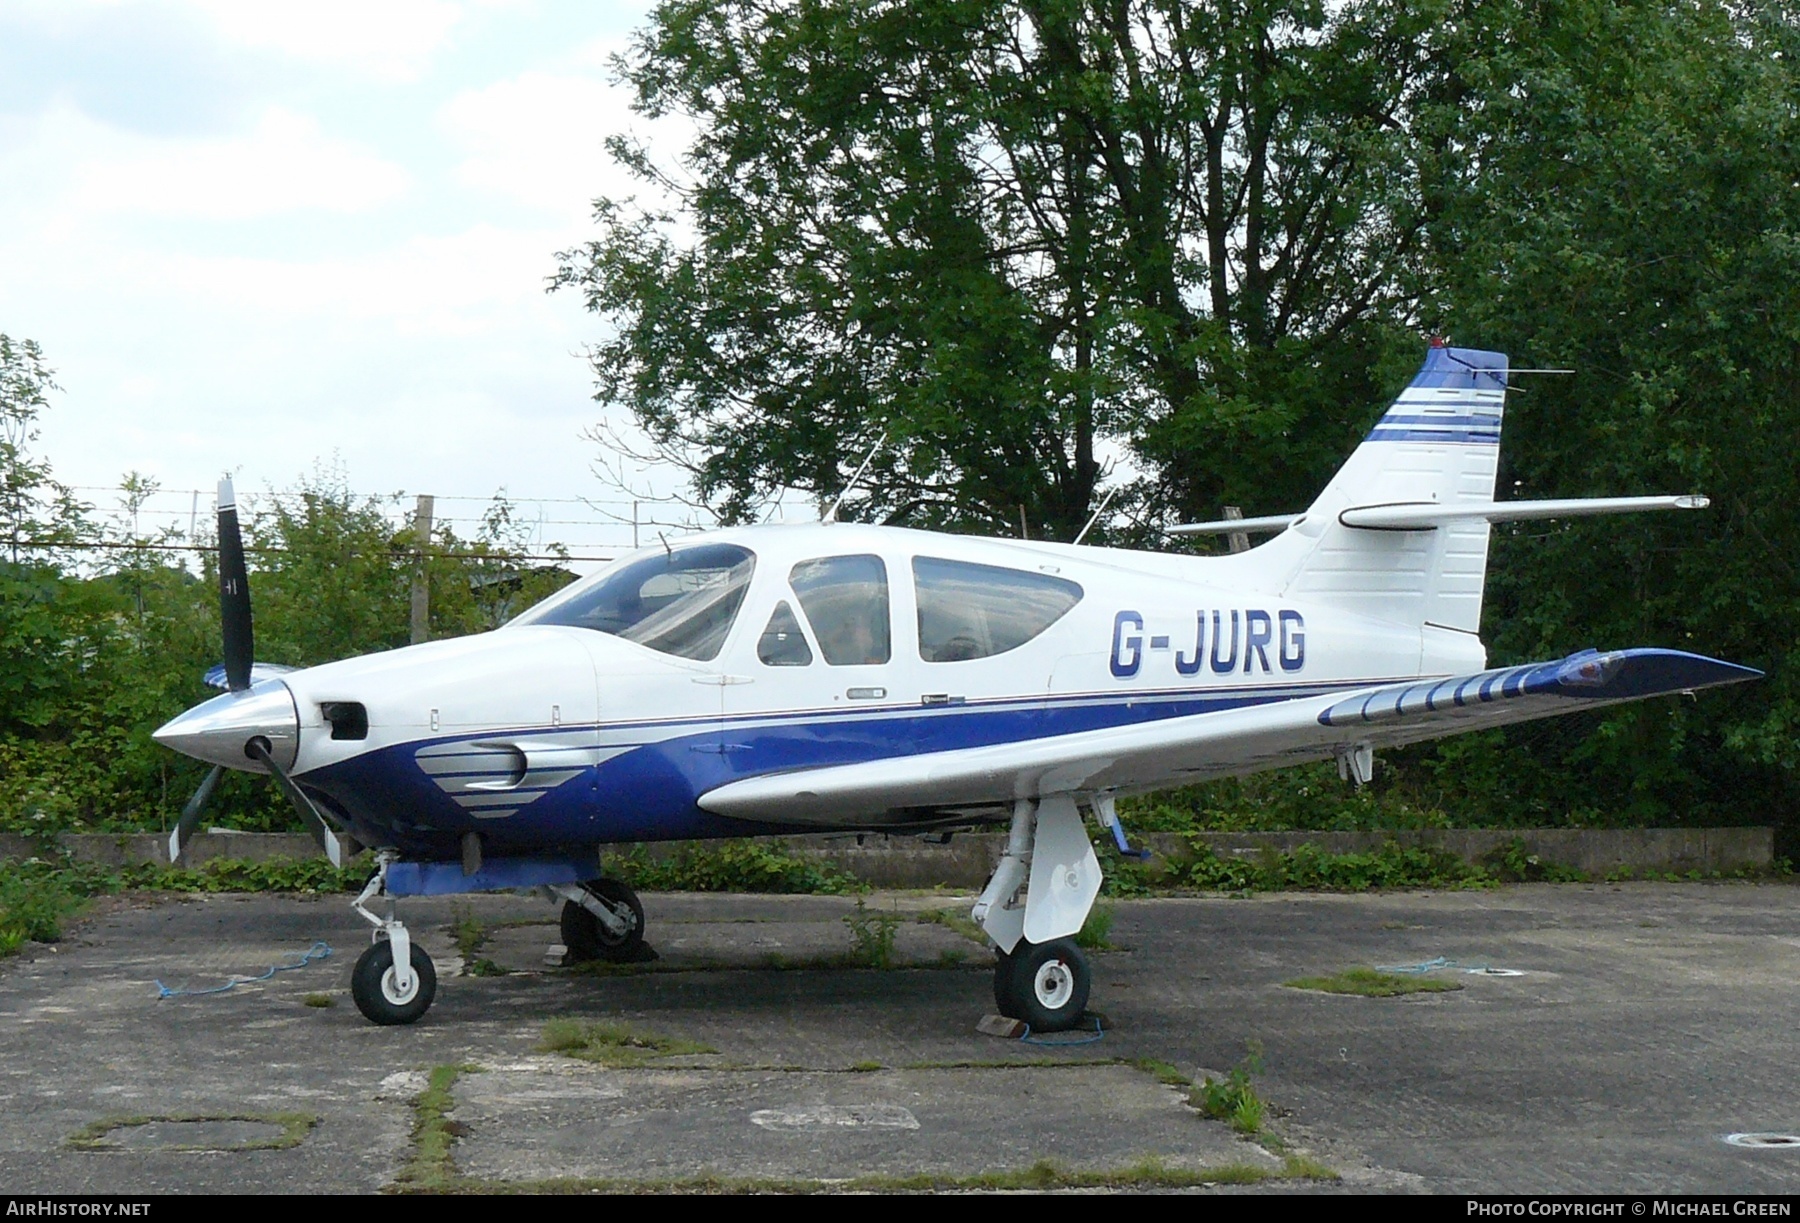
1439,444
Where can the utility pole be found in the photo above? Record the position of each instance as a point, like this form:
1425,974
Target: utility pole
1238,540
421,589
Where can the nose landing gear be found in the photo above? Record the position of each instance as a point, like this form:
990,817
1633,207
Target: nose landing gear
394,981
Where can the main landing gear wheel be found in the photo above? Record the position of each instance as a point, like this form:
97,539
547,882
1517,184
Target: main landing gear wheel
377,995
587,938
1045,984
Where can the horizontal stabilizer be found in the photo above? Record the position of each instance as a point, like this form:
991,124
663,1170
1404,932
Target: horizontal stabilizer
1230,742
1227,526
1425,517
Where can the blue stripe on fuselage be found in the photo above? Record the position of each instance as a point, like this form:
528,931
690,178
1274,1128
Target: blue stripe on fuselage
649,792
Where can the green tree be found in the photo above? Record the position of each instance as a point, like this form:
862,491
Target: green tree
1006,232
1629,210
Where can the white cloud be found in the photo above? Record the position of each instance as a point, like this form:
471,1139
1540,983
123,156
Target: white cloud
387,39
539,138
285,164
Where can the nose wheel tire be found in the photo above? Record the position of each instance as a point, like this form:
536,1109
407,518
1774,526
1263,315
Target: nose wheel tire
379,997
588,939
1044,984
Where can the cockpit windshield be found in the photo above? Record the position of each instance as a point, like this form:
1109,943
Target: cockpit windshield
681,602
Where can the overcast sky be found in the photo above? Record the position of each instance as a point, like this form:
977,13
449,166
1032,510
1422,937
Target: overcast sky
255,236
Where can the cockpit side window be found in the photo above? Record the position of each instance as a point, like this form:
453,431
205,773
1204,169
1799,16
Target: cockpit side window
681,602
782,643
971,611
846,602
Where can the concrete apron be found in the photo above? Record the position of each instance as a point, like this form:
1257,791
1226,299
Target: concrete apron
1643,1025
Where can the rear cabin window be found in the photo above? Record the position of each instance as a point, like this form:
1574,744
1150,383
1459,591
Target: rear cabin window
782,643
977,611
846,602
681,603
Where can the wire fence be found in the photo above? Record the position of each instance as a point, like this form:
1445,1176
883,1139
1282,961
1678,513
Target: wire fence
581,531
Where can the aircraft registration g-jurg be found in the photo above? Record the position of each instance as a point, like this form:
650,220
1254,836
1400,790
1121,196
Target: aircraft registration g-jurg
840,677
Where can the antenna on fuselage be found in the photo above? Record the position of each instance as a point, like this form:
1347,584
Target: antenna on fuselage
831,514
1104,502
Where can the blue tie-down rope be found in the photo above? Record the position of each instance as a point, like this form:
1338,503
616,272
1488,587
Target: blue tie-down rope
1083,1039
1432,965
318,951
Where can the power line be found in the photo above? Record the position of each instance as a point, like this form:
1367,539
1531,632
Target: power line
291,496
107,545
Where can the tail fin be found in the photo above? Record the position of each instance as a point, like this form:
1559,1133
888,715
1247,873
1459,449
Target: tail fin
1439,444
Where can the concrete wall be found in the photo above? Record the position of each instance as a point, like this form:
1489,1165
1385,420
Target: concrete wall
968,859
910,862
131,848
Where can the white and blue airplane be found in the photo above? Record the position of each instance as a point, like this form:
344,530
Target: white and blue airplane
830,676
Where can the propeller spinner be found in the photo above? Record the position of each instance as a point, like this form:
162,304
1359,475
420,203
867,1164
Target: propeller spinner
247,724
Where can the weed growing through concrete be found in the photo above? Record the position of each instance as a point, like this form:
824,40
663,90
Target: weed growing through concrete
954,919
1147,1173
1233,1099
871,936
1161,1071
319,1000
612,1044
1371,983
294,1127
468,932
431,1168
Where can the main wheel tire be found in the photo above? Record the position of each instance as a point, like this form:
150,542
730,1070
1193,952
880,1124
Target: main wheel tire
1048,982
587,939
1006,996
377,996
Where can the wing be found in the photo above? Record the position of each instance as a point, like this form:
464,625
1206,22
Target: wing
1178,751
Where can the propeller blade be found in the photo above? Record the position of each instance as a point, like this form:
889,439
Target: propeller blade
190,815
234,594
339,851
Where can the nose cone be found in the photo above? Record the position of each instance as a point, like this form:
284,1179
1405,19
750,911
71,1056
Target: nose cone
217,731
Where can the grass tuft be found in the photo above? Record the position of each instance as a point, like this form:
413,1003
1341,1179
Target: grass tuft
612,1044
294,1128
956,920
1372,983
432,1167
1161,1071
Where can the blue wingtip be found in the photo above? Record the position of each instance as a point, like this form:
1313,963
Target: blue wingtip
215,677
1645,672
1618,675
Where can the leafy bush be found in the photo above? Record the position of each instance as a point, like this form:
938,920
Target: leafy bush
1304,868
729,866
34,899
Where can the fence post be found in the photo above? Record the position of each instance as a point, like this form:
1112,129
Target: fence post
421,588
